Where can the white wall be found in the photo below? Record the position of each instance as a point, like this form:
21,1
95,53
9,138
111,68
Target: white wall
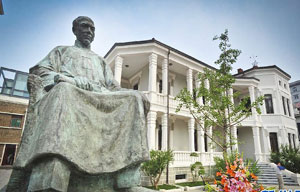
181,137
179,83
246,143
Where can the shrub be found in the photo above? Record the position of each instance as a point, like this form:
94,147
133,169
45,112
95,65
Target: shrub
197,169
156,165
288,157
252,165
194,154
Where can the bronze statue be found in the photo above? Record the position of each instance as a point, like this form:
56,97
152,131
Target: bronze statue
83,132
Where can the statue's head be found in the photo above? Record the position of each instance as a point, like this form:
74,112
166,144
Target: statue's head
84,30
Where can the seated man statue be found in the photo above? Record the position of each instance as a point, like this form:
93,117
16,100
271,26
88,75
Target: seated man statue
83,132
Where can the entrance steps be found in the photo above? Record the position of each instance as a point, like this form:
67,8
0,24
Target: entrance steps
267,176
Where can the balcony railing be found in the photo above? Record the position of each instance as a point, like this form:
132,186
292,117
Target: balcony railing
184,158
162,100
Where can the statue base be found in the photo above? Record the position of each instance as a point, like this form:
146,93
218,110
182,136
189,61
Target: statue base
53,174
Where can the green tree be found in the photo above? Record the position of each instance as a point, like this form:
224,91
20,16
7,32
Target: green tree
156,165
219,111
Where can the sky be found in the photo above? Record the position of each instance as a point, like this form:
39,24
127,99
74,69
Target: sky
268,29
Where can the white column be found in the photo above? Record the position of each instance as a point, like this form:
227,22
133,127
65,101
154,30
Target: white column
233,128
291,107
209,141
189,80
118,68
151,121
191,129
206,83
165,77
200,131
256,139
172,87
263,107
172,135
234,136
152,72
164,126
200,135
252,98
267,144
198,84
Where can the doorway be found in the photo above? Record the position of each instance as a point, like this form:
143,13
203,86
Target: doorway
274,142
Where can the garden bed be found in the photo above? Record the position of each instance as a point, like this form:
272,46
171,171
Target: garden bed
164,186
191,184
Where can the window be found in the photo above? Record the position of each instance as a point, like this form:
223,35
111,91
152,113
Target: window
159,137
269,104
290,142
247,105
294,89
294,141
288,106
274,142
279,82
296,97
16,121
195,140
180,176
7,86
284,86
9,154
283,104
205,142
160,86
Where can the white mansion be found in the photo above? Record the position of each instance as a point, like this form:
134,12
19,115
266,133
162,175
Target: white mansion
142,65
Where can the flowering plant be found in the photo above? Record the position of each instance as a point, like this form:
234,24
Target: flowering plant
236,178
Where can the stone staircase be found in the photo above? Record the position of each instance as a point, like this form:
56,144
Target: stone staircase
267,176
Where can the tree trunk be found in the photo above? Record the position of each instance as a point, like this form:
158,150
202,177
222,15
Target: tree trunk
156,181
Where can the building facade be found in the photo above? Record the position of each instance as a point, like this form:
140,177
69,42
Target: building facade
13,107
295,91
156,69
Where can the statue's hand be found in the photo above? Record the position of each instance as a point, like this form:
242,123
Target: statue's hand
83,83
62,78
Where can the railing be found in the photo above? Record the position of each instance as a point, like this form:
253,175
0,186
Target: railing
184,158
162,100
173,103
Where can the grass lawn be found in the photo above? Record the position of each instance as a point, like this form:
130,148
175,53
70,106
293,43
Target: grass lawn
164,186
191,184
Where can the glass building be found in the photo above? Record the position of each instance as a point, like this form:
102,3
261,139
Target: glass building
13,83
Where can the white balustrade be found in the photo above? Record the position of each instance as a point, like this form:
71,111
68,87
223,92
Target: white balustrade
161,99
184,158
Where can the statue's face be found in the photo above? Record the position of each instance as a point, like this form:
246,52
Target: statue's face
85,32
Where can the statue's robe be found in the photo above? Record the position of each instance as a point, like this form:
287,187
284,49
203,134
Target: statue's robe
97,131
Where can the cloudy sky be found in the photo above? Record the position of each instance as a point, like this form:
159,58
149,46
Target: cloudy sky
268,29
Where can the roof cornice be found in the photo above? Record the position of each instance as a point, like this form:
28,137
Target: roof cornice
161,44
264,67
